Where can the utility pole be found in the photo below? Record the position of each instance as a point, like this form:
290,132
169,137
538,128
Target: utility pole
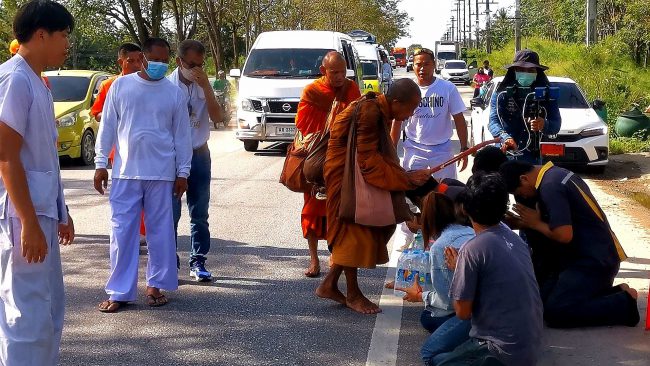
517,25
458,37
478,43
453,22
464,24
592,6
469,23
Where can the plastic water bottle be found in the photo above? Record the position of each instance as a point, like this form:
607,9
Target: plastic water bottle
418,241
423,266
403,272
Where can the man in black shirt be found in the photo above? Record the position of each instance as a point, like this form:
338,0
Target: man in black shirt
578,291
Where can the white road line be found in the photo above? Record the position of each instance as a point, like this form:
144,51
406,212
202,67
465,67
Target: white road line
385,336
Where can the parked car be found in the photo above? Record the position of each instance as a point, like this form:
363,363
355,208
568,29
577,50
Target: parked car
409,64
583,139
74,92
456,71
393,62
278,67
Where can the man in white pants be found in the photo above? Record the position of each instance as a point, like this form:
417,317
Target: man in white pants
429,130
32,207
146,117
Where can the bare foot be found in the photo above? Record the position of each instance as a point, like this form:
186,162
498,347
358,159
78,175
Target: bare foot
325,292
625,287
362,305
313,270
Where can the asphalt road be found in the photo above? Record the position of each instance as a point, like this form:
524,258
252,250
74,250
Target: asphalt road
260,310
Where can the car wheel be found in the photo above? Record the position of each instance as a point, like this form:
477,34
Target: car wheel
87,148
251,145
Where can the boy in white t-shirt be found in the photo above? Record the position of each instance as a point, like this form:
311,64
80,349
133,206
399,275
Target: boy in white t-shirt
146,117
429,130
32,207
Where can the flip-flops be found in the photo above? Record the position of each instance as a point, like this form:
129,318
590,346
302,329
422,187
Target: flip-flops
110,306
156,301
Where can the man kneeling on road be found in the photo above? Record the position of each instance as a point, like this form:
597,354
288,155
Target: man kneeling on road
494,285
575,281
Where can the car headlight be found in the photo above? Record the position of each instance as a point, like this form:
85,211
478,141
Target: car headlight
68,120
247,105
591,132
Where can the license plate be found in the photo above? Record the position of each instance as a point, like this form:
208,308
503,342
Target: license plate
552,150
285,130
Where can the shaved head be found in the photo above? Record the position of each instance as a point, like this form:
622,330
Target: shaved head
404,97
334,69
403,90
332,58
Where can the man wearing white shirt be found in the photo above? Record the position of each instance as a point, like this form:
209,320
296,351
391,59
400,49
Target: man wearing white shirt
429,131
146,117
202,107
32,207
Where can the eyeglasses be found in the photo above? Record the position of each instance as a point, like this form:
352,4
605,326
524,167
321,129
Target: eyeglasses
425,51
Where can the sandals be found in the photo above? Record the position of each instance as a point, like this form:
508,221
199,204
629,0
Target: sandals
110,306
156,301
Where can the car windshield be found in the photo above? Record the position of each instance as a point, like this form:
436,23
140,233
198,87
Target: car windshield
570,96
370,69
446,55
285,63
69,88
455,65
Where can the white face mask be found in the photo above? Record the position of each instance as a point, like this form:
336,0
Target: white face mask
187,74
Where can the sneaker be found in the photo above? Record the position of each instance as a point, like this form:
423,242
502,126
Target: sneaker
199,273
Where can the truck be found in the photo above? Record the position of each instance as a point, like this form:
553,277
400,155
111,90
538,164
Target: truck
446,50
400,56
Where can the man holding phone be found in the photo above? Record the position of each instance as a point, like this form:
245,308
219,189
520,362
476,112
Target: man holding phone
202,107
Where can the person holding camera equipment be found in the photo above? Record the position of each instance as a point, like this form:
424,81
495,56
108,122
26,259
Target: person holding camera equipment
524,107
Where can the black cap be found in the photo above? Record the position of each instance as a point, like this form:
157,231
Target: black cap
527,58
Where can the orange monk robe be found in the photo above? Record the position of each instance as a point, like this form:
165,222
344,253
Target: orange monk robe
313,109
355,245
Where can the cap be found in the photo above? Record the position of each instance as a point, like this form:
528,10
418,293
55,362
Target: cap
527,58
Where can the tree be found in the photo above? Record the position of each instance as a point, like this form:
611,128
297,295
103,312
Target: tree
411,49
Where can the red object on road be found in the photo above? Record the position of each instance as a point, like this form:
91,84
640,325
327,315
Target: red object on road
465,153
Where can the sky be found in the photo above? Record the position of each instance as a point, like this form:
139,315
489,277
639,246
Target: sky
430,18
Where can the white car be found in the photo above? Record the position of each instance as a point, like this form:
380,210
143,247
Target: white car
583,140
409,64
456,71
393,62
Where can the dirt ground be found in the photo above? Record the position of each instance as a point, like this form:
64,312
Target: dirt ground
628,177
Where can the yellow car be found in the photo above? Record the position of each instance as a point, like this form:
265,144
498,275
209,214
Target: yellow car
74,92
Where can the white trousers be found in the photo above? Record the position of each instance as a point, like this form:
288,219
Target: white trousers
128,197
417,156
32,298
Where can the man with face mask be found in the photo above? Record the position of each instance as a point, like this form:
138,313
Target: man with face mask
146,117
202,107
506,113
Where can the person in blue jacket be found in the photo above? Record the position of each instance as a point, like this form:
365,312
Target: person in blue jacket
506,112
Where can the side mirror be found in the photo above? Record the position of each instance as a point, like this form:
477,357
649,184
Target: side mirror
598,104
235,73
350,73
477,102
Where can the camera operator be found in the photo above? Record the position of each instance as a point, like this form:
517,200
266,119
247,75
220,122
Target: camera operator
521,137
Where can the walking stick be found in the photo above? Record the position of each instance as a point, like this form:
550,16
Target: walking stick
463,154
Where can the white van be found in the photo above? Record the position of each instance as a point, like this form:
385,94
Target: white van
277,69
373,79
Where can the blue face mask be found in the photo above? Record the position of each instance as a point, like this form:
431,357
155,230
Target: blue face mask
156,70
525,79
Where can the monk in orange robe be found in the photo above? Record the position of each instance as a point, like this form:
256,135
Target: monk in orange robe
313,110
354,245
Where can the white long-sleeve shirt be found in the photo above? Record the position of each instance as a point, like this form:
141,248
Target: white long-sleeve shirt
148,122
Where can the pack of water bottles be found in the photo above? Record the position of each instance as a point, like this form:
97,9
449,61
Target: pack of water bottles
413,261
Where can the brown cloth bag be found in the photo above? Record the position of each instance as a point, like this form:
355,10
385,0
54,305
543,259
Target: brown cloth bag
292,175
315,160
361,202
